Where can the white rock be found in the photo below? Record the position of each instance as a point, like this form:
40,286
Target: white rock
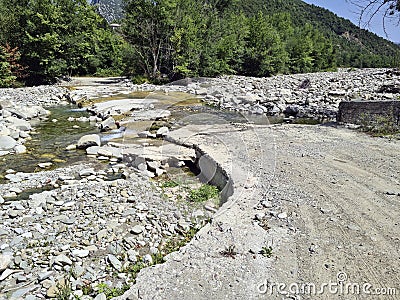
70,147
282,215
5,260
115,262
88,141
80,253
137,229
62,259
20,149
7,143
92,150
101,296
45,165
162,131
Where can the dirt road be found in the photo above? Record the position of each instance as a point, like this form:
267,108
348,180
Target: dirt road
324,200
342,191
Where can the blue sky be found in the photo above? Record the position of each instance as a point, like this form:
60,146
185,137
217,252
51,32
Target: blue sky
349,11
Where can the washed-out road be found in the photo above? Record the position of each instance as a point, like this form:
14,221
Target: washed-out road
314,215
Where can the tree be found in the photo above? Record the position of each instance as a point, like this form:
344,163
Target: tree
10,68
370,8
265,51
148,27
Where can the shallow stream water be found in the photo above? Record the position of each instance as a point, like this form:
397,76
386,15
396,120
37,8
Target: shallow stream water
52,136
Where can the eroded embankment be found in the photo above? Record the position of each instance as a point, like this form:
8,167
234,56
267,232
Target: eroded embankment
230,255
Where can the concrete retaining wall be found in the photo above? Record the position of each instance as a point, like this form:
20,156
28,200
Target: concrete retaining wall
369,112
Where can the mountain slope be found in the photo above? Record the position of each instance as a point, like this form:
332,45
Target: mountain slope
355,47
111,10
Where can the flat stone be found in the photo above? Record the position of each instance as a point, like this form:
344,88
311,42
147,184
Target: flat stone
87,172
80,253
153,165
115,262
104,152
45,165
93,150
62,259
13,178
68,221
20,293
7,272
144,134
137,229
7,143
44,275
20,149
5,260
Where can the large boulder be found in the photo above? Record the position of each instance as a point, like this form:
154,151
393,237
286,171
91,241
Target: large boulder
7,143
88,141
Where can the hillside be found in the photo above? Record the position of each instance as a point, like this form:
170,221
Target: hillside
355,47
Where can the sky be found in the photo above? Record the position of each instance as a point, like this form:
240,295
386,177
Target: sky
347,10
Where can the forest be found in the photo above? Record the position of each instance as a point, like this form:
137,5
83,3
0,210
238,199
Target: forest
165,40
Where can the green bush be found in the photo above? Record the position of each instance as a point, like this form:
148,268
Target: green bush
204,193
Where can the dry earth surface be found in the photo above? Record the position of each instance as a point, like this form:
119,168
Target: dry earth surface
325,199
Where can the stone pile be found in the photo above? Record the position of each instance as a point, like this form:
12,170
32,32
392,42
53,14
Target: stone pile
85,232
315,95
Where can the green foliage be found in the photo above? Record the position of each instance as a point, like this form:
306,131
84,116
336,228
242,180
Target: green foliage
169,184
174,244
203,193
178,38
10,68
229,251
266,251
61,37
64,289
111,292
6,77
171,39
379,125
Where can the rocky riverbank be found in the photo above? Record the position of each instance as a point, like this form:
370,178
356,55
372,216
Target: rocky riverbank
87,229
312,95
20,109
315,95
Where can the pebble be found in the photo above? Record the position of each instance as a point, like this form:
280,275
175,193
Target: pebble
80,253
62,259
282,215
5,260
137,229
115,262
101,296
45,165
